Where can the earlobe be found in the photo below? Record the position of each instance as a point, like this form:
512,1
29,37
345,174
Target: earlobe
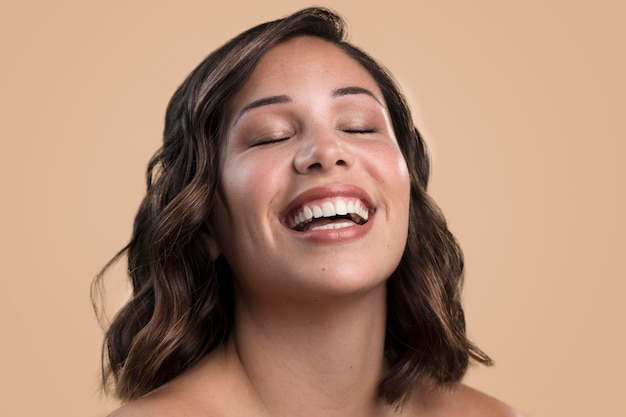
210,242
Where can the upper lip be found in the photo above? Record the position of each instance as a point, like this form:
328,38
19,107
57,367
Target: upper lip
323,192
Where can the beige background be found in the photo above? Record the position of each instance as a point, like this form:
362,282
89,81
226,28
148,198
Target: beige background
522,102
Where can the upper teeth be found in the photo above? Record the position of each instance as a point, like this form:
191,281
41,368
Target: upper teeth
330,208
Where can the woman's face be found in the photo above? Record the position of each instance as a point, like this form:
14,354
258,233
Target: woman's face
314,195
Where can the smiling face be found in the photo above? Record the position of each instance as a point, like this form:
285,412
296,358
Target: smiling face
314,192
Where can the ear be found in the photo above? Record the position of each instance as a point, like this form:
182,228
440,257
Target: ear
208,238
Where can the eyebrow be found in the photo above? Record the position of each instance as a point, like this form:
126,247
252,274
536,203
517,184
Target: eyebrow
266,101
354,90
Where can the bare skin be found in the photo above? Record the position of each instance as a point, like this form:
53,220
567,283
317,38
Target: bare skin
309,331
219,387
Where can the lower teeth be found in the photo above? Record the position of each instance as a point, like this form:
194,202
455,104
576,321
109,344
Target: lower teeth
333,226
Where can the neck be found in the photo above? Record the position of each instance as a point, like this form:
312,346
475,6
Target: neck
313,358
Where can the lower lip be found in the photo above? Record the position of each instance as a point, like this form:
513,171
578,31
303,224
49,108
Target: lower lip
344,234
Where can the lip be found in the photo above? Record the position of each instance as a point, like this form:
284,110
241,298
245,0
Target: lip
326,192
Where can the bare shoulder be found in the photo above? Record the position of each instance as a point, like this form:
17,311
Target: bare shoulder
477,403
206,390
459,401
136,409
156,405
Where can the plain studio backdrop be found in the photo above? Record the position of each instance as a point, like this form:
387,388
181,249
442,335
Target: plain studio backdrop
522,104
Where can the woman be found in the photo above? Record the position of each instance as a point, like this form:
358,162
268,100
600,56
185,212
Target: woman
286,260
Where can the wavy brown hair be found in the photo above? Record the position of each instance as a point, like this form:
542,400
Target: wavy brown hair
182,303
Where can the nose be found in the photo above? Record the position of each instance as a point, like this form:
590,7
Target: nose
322,152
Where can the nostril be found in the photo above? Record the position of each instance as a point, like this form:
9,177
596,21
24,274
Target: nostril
317,155
318,165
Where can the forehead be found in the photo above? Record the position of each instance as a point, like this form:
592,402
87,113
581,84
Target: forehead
301,65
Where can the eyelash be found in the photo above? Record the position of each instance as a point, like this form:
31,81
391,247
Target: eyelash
361,131
269,141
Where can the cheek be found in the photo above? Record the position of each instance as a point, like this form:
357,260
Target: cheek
248,189
396,184
250,184
402,173
392,173
399,175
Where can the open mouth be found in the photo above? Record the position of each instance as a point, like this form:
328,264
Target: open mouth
335,213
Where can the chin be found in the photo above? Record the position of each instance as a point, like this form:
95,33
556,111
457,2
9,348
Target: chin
342,279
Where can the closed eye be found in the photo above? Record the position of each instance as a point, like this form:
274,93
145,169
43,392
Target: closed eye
360,130
269,141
